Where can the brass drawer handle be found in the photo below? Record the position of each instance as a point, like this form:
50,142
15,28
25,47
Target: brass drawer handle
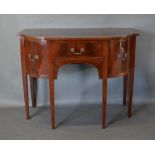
77,53
33,57
122,55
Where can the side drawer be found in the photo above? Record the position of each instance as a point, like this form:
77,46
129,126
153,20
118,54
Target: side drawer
36,58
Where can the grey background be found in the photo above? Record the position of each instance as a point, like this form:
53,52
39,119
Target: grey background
76,84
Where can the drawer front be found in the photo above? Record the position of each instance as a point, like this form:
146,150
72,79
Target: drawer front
36,58
77,49
118,57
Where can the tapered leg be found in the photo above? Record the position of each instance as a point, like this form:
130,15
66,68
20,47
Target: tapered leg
131,83
104,84
33,90
125,84
104,104
52,107
25,89
131,73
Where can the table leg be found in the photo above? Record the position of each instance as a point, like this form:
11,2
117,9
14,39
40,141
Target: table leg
131,73
104,104
125,84
33,87
24,77
131,83
26,99
104,83
52,107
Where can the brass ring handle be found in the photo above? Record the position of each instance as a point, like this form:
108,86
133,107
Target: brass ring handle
122,55
36,57
33,57
77,53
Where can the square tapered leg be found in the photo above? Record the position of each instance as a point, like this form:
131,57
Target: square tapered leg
52,106
104,104
125,85
26,99
33,88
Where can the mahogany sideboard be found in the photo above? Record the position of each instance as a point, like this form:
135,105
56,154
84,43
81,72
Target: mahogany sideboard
110,50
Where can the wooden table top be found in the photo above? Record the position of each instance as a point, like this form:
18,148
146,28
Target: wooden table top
99,33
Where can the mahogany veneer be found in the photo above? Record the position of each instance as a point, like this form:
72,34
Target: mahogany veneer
110,50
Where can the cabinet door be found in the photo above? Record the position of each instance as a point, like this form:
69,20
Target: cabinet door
36,58
118,58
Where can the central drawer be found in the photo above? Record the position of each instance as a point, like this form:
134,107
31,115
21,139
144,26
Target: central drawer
77,49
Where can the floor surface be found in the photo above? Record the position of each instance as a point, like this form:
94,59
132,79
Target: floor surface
82,122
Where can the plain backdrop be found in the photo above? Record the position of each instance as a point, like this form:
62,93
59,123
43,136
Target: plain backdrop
76,84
